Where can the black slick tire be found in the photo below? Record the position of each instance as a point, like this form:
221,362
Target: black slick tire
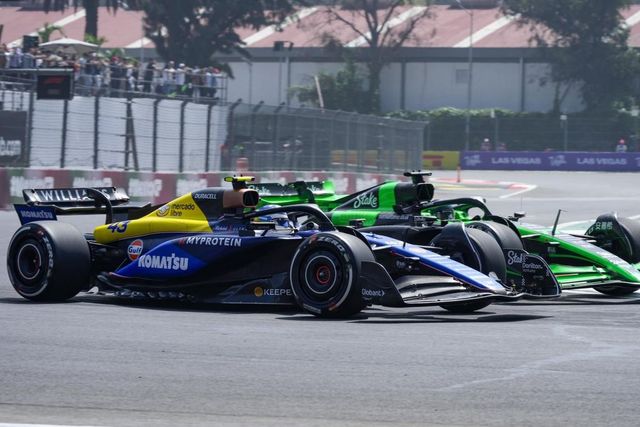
325,273
48,261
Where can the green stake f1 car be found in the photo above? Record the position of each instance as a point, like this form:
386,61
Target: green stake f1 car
606,258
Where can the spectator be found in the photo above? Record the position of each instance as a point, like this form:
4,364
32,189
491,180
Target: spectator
117,75
15,58
486,145
95,74
169,78
196,82
149,73
4,54
210,82
622,146
181,79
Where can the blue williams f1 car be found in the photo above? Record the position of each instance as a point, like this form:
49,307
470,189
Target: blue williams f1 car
213,246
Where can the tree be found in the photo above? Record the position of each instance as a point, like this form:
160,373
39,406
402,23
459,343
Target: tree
44,34
342,91
586,43
99,41
389,25
90,7
191,31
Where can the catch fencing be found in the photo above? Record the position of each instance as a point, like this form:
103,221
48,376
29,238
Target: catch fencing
184,135
285,138
120,133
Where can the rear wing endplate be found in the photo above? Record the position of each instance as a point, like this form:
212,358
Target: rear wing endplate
47,203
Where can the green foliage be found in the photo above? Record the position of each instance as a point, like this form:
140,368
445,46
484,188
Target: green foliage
380,37
588,41
191,31
342,91
47,30
89,38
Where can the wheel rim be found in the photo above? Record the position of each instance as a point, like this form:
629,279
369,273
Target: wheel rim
321,275
29,262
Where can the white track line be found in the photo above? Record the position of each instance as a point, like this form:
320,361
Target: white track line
524,190
36,425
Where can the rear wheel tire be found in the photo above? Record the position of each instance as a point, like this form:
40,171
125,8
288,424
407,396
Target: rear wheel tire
484,255
465,307
48,261
505,236
325,274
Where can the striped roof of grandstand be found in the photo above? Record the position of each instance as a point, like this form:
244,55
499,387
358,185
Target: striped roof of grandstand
446,28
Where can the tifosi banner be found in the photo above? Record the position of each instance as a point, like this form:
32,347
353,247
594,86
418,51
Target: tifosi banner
13,140
560,161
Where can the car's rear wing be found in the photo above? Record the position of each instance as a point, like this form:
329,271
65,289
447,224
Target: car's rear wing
73,197
301,188
48,203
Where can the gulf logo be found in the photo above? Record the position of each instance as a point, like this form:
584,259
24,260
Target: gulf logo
135,249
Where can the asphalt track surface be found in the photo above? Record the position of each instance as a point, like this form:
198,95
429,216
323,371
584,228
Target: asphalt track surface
107,362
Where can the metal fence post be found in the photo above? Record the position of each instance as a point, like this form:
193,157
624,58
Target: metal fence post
251,153
183,105
208,141
314,144
348,141
96,125
230,139
63,143
154,137
380,146
32,100
276,137
420,140
391,165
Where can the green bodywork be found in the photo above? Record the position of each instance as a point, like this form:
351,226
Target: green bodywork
321,193
575,261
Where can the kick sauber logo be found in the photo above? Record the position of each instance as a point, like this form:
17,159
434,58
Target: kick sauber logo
135,249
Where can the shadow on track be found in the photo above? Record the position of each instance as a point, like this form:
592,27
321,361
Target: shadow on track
375,316
369,315
581,298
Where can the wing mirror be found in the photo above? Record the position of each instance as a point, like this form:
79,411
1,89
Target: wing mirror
517,215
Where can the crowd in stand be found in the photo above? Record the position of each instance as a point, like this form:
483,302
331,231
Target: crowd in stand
112,76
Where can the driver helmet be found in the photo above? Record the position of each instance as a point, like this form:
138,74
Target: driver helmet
280,218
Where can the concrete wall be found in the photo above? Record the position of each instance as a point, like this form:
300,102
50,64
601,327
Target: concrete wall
428,85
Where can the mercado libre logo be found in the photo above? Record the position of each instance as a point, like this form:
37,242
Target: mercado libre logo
135,249
163,211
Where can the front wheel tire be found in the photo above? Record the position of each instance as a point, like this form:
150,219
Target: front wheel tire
465,307
325,274
615,291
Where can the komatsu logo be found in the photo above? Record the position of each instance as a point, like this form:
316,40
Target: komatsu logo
163,262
